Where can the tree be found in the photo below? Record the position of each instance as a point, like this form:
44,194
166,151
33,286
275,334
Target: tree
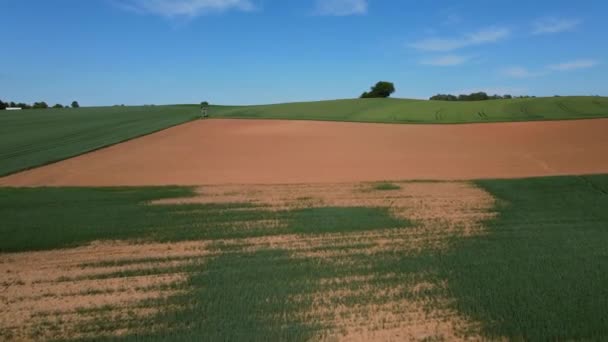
75,104
444,97
204,104
382,89
58,106
22,105
3,105
480,96
40,105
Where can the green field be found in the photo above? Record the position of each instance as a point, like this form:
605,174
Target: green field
36,137
31,138
538,272
422,111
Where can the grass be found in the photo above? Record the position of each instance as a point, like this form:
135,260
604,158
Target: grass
37,137
540,273
422,111
50,218
536,273
31,138
386,186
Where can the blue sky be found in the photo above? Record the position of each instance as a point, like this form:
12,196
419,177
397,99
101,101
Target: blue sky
105,52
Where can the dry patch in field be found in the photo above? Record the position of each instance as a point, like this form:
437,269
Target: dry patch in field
66,293
58,294
372,306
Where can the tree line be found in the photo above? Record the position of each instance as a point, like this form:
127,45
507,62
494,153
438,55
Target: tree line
36,105
479,96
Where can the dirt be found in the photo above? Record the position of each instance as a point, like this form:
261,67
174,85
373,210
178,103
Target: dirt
288,152
438,211
48,294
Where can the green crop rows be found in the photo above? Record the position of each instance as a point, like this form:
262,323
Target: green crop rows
538,272
31,138
421,111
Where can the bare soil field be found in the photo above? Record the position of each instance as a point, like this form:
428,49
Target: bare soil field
286,152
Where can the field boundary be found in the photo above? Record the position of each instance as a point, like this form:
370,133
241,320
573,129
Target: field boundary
417,123
54,161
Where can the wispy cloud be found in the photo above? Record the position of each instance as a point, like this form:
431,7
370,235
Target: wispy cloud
341,7
488,35
448,60
183,8
554,25
574,65
519,72
522,72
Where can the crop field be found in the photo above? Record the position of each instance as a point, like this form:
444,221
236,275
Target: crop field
513,259
281,230
33,138
241,151
422,111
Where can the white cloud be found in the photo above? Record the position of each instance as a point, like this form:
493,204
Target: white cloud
522,72
448,60
489,35
519,72
554,25
574,65
341,7
184,8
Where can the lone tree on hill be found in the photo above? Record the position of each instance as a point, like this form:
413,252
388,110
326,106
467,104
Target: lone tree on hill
380,90
75,104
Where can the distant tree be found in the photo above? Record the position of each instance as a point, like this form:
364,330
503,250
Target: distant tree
507,97
13,104
75,104
40,105
444,97
204,104
382,89
23,105
58,106
3,105
480,96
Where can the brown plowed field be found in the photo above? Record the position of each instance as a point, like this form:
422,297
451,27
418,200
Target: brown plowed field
271,152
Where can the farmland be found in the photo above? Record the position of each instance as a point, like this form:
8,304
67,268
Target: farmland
422,111
227,229
222,151
33,138
414,260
